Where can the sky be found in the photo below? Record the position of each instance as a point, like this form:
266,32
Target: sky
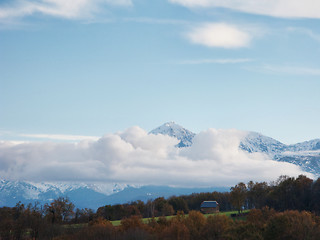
91,67
78,70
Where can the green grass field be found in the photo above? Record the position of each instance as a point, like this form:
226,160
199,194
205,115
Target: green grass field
146,220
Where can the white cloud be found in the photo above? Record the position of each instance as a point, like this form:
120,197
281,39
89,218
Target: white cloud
157,21
61,137
276,8
292,70
71,9
219,35
24,137
135,157
215,61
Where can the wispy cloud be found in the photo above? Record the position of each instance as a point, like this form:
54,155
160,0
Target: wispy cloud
291,70
136,157
221,35
69,9
157,21
61,137
276,8
305,31
214,61
24,137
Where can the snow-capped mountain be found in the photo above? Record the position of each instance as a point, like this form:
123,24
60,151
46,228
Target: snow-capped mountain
256,142
312,145
81,194
86,195
174,130
305,154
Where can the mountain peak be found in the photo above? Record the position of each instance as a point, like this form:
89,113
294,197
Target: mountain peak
168,124
256,142
174,130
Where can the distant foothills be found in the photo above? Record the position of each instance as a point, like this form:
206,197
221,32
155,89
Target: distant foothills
306,155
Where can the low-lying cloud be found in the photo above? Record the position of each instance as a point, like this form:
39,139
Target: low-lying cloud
136,157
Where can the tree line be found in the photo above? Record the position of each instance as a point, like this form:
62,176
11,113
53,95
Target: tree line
287,193
277,203
260,224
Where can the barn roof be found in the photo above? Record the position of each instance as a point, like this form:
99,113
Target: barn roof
209,204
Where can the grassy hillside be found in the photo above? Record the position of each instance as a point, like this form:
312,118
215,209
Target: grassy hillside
146,220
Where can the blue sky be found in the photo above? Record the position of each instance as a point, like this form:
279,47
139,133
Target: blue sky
93,67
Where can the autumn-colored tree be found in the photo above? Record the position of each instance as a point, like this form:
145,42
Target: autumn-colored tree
114,212
291,225
238,196
315,197
257,194
254,227
158,205
6,222
195,222
259,217
216,227
131,210
167,210
19,220
131,222
97,229
133,228
283,194
59,210
178,204
150,208
34,219
83,215
302,193
177,230
242,230
140,206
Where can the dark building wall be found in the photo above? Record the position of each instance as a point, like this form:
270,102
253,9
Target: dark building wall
210,210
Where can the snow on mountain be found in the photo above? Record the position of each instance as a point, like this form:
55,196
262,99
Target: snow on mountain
305,146
64,187
305,154
82,194
174,130
256,142
11,192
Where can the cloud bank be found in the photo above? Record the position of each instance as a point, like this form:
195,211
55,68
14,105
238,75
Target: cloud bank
275,8
70,9
219,35
136,157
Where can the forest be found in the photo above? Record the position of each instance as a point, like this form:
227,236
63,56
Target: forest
288,208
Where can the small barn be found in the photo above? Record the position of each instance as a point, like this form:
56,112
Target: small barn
209,207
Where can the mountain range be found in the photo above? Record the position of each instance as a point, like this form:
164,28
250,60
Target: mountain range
306,154
93,195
